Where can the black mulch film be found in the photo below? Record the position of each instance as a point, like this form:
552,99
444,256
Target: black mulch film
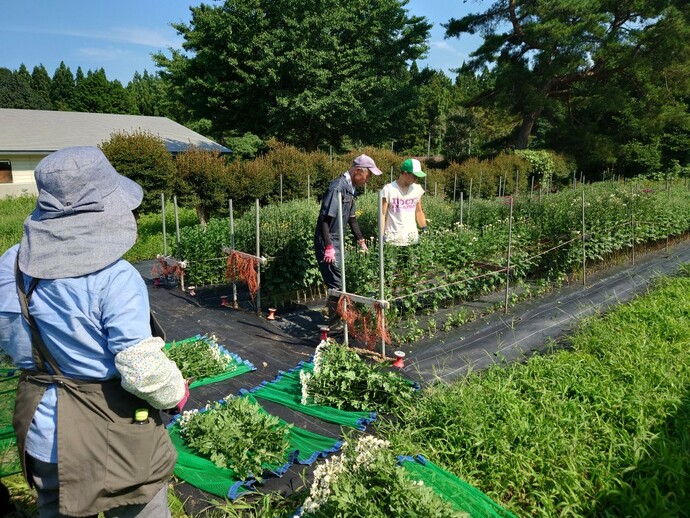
279,345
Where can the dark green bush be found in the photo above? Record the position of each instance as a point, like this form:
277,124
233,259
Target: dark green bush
143,157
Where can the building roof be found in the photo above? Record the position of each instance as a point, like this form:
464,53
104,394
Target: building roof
39,131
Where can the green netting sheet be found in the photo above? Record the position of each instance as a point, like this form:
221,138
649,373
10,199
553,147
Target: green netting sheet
305,448
9,459
237,367
286,390
459,493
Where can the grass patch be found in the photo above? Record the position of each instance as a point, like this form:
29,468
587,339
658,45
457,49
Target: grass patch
14,210
601,429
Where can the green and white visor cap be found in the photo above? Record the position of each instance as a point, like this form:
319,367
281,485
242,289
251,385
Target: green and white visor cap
412,165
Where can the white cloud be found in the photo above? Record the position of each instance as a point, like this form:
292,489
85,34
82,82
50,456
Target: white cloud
144,36
447,47
102,54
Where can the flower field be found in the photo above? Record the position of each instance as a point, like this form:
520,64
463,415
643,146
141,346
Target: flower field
545,241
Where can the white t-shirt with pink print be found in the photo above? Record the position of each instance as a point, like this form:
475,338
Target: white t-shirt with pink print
401,224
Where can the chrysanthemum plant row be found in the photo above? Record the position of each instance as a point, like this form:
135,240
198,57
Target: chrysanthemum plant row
237,434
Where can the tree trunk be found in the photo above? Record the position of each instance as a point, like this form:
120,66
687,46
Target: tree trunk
528,120
202,214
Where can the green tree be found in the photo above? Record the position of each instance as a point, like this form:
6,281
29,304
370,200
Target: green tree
143,157
636,122
62,88
16,91
424,126
40,84
96,94
308,72
543,51
11,94
148,94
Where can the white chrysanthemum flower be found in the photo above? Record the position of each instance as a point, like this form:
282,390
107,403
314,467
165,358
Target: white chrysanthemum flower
324,475
187,416
318,355
367,449
304,378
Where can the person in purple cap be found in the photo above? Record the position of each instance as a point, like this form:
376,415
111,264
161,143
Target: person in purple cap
326,237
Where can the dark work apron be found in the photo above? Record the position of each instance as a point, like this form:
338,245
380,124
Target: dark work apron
105,459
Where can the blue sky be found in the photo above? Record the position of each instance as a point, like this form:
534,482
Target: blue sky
121,35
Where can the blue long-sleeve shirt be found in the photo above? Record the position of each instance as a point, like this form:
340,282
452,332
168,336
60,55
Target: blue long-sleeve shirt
84,321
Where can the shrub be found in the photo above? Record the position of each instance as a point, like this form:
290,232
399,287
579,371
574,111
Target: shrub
202,181
143,157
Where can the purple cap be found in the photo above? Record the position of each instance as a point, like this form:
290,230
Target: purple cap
368,162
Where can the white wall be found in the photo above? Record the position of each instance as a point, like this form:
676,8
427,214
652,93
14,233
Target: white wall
22,174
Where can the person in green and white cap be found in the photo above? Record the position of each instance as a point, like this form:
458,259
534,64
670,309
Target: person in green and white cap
402,206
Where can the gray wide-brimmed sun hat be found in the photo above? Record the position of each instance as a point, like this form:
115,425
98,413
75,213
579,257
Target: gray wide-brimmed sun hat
83,219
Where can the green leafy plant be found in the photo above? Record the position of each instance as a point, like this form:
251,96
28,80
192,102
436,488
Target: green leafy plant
366,481
342,379
200,358
237,434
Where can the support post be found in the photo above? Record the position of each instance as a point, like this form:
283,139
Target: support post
381,222
258,266
462,202
165,237
632,222
235,304
342,258
469,203
584,255
177,228
510,242
531,190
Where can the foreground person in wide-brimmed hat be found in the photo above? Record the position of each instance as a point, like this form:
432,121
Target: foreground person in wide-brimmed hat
74,316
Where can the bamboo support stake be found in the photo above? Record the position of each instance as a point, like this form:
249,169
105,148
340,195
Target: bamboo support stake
510,242
381,222
235,304
632,222
342,260
531,191
258,266
668,198
165,237
584,255
469,203
177,227
462,202
516,187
